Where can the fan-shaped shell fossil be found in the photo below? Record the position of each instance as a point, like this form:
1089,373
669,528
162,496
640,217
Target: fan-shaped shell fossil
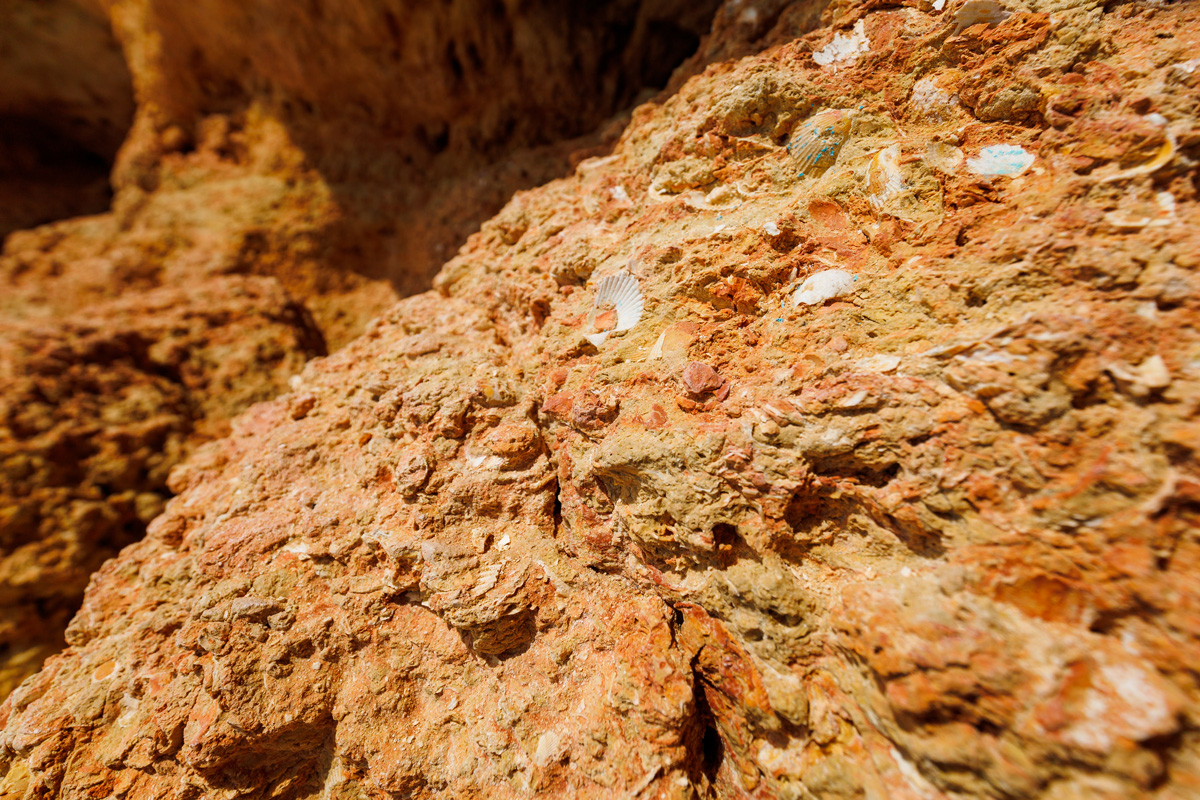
819,139
1165,153
622,293
944,157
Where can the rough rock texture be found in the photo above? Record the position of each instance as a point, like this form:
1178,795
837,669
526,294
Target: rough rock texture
346,149
933,537
290,172
94,414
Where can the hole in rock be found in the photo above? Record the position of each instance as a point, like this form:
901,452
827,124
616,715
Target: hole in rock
713,751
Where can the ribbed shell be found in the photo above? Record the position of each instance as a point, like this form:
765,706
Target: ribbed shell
884,179
819,139
622,292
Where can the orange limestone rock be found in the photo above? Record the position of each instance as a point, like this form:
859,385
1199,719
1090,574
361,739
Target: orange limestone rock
931,538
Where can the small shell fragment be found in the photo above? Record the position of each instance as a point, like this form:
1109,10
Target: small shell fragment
722,197
1001,159
1165,154
935,102
823,286
622,293
883,362
819,139
673,342
979,12
944,157
844,47
1160,214
884,179
1149,376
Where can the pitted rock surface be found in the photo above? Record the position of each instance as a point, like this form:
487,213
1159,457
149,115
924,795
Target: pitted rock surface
931,538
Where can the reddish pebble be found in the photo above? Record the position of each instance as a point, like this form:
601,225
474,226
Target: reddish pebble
701,379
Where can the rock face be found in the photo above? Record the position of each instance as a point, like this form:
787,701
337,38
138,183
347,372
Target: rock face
932,535
288,174
94,414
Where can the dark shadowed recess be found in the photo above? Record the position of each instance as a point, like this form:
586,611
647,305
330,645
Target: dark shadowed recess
527,89
422,118
66,103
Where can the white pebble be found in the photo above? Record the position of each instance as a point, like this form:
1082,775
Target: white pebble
823,286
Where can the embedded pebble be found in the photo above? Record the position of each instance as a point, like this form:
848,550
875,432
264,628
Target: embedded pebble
1001,159
823,286
701,379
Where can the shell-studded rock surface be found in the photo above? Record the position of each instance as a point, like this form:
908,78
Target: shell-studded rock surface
282,177
934,538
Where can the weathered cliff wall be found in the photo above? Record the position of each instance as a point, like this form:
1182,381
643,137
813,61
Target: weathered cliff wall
922,528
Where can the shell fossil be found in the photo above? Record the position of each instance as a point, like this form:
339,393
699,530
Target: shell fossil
884,179
819,140
822,286
622,293
943,157
1001,159
845,47
979,12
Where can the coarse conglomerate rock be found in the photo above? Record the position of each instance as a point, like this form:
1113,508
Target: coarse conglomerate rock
95,412
287,172
932,537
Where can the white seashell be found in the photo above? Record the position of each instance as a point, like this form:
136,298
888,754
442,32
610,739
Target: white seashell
844,48
1163,216
621,291
819,139
656,351
823,286
884,179
944,157
1001,159
549,746
1151,375
723,197
771,228
935,103
977,12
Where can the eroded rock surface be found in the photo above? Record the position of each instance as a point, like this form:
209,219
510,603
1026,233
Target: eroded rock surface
934,536
287,173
